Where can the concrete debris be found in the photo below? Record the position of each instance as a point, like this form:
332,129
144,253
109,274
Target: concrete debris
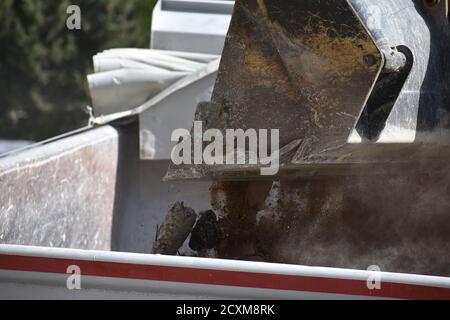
175,229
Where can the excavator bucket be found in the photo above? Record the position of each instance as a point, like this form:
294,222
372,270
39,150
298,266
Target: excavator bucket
358,92
335,77
303,67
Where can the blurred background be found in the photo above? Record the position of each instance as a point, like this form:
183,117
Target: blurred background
43,65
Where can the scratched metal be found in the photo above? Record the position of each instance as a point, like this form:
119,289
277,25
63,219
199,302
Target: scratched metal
297,66
89,191
270,77
61,194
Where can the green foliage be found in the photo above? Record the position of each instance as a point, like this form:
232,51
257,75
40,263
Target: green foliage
43,65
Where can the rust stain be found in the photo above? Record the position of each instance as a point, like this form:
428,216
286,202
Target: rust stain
322,49
263,72
310,68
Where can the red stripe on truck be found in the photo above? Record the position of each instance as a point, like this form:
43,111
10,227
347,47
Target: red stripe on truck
223,277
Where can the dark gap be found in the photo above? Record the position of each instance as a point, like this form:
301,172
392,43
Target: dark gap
447,9
384,95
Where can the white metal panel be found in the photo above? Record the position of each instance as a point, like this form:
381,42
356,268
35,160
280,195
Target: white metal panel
191,25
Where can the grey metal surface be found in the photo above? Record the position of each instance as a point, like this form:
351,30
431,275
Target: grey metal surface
88,191
191,25
144,198
10,145
420,112
205,6
61,194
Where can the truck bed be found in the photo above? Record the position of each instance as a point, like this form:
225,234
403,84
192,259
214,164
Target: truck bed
86,200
